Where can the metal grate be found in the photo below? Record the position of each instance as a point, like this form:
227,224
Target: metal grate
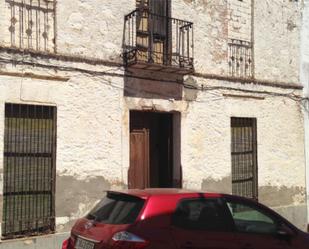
32,24
240,58
244,157
29,170
158,41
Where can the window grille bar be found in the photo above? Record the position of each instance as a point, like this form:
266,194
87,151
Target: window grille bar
29,165
32,25
244,157
240,58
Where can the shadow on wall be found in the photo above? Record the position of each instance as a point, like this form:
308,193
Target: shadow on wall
152,85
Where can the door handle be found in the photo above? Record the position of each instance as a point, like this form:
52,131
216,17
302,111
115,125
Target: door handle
247,246
188,245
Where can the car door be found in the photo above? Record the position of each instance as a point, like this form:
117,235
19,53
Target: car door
257,228
201,223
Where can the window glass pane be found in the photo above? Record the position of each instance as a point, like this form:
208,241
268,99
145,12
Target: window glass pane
201,214
117,209
250,219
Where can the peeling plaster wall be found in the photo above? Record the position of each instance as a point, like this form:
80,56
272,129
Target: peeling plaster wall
89,157
206,157
93,136
92,28
95,29
210,20
277,28
240,22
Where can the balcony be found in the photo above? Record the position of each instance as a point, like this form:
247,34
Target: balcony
158,43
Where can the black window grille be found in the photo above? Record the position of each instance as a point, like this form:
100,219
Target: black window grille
154,40
29,170
244,157
240,58
32,24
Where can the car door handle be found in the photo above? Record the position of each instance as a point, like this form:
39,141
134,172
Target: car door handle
247,246
188,245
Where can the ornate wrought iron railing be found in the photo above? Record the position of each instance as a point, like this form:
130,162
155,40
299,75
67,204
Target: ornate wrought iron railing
240,58
158,42
32,24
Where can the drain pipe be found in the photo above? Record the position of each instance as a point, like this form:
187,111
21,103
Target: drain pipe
304,78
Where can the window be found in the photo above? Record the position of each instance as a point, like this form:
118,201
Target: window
29,170
244,157
201,214
117,209
250,219
31,24
240,58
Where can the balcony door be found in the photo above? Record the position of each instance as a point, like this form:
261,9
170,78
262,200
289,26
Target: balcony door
153,30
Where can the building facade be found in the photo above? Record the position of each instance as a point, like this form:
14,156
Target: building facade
95,96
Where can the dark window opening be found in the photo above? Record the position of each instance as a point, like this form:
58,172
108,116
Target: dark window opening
152,150
29,170
117,209
244,157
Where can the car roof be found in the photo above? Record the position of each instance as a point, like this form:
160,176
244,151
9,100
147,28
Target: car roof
146,193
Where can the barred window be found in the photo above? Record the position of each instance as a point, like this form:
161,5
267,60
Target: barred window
244,157
240,58
29,170
32,24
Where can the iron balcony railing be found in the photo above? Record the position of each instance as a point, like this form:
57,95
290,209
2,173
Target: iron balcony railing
158,42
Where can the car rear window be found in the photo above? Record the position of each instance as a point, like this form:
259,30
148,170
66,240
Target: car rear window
117,208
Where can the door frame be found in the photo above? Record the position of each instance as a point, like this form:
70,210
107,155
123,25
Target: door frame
176,168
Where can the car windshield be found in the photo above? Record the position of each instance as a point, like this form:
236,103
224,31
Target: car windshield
117,208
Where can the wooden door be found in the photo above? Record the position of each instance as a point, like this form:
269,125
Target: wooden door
138,175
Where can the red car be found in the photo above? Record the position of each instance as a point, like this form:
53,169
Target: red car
180,219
